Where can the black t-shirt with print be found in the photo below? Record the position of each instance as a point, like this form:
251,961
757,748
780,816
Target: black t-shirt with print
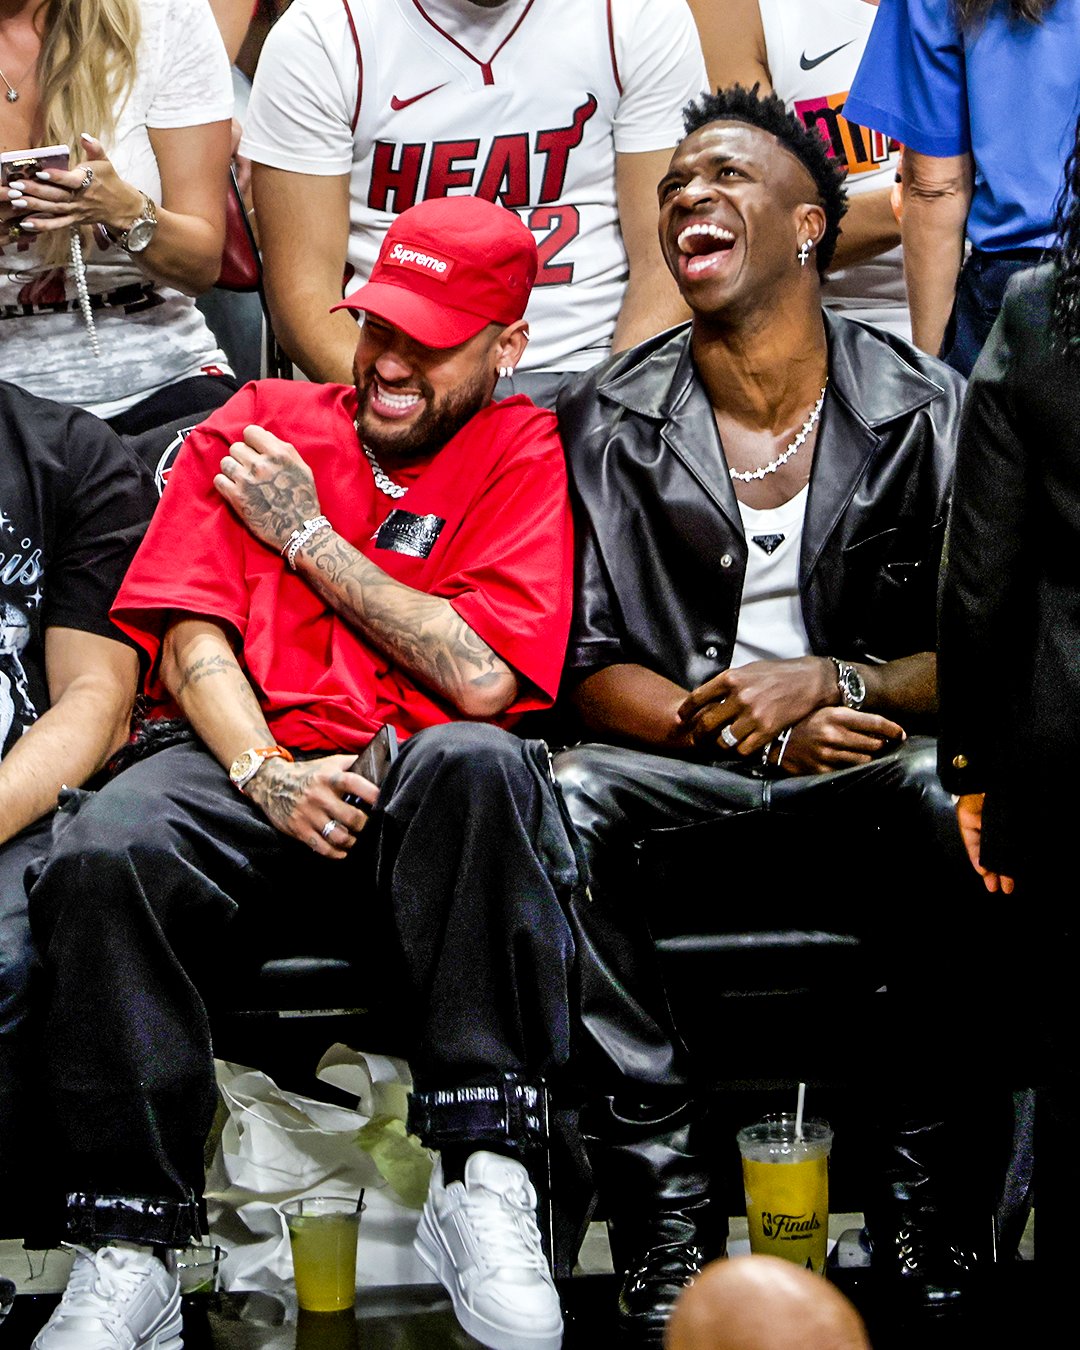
74,503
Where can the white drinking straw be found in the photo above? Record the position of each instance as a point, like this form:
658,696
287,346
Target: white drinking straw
799,1111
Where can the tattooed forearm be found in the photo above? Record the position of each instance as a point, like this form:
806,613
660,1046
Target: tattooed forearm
422,633
247,697
233,691
203,668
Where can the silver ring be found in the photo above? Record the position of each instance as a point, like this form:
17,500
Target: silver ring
328,829
728,737
88,178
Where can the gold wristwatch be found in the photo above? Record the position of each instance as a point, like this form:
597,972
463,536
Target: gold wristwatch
248,763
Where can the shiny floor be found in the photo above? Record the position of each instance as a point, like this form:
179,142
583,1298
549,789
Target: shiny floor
418,1317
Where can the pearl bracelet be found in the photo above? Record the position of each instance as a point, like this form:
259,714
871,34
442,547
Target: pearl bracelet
299,538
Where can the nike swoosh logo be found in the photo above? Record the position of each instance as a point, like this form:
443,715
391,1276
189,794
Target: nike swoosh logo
806,64
398,103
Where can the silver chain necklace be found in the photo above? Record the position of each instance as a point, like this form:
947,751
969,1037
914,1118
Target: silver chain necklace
383,481
12,94
749,475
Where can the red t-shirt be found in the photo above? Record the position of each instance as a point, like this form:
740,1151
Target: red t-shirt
502,556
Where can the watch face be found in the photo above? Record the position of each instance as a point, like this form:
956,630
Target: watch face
854,687
139,236
241,765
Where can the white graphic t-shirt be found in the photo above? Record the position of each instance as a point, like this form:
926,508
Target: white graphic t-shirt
150,335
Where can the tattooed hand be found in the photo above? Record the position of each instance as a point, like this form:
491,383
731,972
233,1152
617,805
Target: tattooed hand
301,799
268,485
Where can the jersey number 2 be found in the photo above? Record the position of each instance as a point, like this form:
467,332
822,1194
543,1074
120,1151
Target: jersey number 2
562,224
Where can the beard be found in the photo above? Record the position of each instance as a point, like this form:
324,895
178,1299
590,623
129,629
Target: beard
440,420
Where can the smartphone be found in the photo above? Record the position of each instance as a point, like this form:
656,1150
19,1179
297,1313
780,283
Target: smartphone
18,165
373,762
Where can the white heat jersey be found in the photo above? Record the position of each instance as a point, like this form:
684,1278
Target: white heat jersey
532,117
813,48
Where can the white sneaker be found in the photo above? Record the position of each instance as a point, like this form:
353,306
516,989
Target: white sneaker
480,1238
117,1298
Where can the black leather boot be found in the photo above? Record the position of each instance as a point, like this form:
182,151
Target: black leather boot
930,1219
654,1184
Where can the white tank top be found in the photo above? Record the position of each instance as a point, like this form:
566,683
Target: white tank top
813,48
771,626
526,104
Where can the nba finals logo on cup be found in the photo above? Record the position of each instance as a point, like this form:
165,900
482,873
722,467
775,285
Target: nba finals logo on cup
789,1227
785,1163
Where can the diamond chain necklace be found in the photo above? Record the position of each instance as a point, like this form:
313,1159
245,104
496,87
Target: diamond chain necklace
12,94
749,475
383,481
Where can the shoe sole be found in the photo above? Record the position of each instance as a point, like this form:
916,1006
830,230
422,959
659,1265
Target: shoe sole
437,1260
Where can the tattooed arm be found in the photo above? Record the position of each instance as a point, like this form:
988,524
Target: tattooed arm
272,490
204,677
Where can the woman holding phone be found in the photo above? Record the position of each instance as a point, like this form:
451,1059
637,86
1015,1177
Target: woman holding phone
99,262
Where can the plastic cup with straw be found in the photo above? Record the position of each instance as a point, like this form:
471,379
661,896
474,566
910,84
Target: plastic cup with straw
323,1231
785,1177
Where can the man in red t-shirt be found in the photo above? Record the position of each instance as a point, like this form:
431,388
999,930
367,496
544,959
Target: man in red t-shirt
326,560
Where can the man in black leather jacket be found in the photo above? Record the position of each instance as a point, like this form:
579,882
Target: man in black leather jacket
761,498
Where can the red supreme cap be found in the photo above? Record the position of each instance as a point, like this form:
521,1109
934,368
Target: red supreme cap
447,268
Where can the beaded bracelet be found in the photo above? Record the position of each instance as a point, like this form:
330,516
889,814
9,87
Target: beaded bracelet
299,538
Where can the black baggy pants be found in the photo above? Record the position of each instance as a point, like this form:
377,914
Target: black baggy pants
456,892
19,1163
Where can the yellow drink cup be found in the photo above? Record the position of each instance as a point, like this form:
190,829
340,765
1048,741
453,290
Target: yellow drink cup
323,1230
786,1181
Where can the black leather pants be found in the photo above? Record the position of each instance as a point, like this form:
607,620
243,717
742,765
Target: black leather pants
923,907
935,930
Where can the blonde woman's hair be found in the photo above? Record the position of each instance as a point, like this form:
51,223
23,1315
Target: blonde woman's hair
85,74
87,66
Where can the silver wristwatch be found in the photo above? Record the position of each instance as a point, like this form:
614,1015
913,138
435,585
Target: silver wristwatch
851,684
139,233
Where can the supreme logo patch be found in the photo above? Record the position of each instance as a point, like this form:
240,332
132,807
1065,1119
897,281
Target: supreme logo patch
404,532
419,260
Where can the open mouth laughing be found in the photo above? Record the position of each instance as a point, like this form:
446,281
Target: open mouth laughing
703,249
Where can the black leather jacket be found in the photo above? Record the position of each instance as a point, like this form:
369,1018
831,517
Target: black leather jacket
661,551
